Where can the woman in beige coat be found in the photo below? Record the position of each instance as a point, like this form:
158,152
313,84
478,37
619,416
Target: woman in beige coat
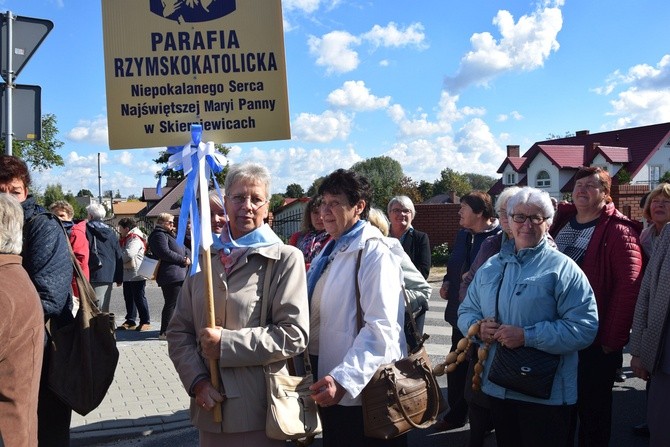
241,344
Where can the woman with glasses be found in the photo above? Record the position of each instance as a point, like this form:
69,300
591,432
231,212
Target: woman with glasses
657,212
348,356
174,261
606,245
312,237
401,213
530,294
241,343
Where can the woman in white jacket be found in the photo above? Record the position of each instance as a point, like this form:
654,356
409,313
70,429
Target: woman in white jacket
133,245
347,357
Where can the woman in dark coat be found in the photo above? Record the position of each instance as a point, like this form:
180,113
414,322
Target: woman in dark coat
174,261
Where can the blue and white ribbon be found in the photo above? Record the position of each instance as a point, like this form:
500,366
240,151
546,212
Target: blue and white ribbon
199,161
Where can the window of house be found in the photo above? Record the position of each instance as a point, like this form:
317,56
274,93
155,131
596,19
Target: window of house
543,180
511,179
654,175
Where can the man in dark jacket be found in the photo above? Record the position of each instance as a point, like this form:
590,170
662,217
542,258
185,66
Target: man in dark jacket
46,258
105,260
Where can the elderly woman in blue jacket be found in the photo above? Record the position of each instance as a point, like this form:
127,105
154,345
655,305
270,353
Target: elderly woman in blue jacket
542,300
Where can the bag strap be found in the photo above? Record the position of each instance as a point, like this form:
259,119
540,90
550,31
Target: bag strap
264,310
498,291
420,339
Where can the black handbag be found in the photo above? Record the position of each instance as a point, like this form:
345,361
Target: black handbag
525,370
83,354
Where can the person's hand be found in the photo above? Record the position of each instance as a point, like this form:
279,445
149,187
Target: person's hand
187,260
487,329
206,396
210,342
444,290
327,392
638,369
509,336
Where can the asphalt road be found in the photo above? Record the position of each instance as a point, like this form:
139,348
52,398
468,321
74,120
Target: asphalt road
628,407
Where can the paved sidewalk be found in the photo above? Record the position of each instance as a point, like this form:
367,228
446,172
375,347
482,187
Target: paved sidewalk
146,396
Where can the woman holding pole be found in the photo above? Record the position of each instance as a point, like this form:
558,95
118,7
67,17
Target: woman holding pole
240,343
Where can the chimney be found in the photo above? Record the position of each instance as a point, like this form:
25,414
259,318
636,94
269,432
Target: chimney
581,133
513,150
590,152
171,181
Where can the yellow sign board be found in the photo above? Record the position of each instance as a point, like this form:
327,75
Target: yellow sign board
173,63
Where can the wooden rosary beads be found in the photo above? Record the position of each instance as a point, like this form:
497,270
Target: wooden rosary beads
453,359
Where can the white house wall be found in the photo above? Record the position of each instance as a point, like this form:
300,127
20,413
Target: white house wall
660,158
542,163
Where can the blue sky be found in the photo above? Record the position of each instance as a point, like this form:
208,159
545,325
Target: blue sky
433,84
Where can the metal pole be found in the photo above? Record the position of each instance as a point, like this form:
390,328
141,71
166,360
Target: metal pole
10,85
99,177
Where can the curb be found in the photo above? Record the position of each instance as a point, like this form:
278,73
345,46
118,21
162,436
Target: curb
110,431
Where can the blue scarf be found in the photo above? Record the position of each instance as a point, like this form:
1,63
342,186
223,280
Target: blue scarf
260,237
328,254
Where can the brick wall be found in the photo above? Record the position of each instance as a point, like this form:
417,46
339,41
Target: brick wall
626,198
439,221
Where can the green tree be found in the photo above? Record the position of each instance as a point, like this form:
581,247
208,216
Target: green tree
294,191
452,181
480,182
624,176
53,193
314,188
384,174
39,155
171,173
85,193
665,177
426,190
409,188
276,201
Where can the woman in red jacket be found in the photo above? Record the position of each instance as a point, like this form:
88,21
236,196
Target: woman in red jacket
606,245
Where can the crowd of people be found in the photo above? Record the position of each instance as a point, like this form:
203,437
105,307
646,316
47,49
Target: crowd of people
572,281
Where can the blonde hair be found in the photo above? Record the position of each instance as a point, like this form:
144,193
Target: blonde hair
164,217
661,190
379,220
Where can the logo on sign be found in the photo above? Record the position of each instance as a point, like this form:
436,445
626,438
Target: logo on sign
190,11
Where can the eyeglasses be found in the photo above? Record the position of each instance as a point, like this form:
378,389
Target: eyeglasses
400,211
256,202
329,205
521,218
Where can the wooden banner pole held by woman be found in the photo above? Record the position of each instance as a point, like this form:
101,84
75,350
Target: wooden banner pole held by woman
211,323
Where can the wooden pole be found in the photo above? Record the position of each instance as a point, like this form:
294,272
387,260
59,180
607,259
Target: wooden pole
211,323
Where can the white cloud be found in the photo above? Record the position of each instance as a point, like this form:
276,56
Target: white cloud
333,51
322,128
297,164
307,6
336,52
391,36
523,46
355,95
126,158
90,131
642,94
512,115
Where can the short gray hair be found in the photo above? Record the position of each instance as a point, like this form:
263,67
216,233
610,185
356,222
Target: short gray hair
253,172
405,201
535,197
11,225
96,211
504,197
